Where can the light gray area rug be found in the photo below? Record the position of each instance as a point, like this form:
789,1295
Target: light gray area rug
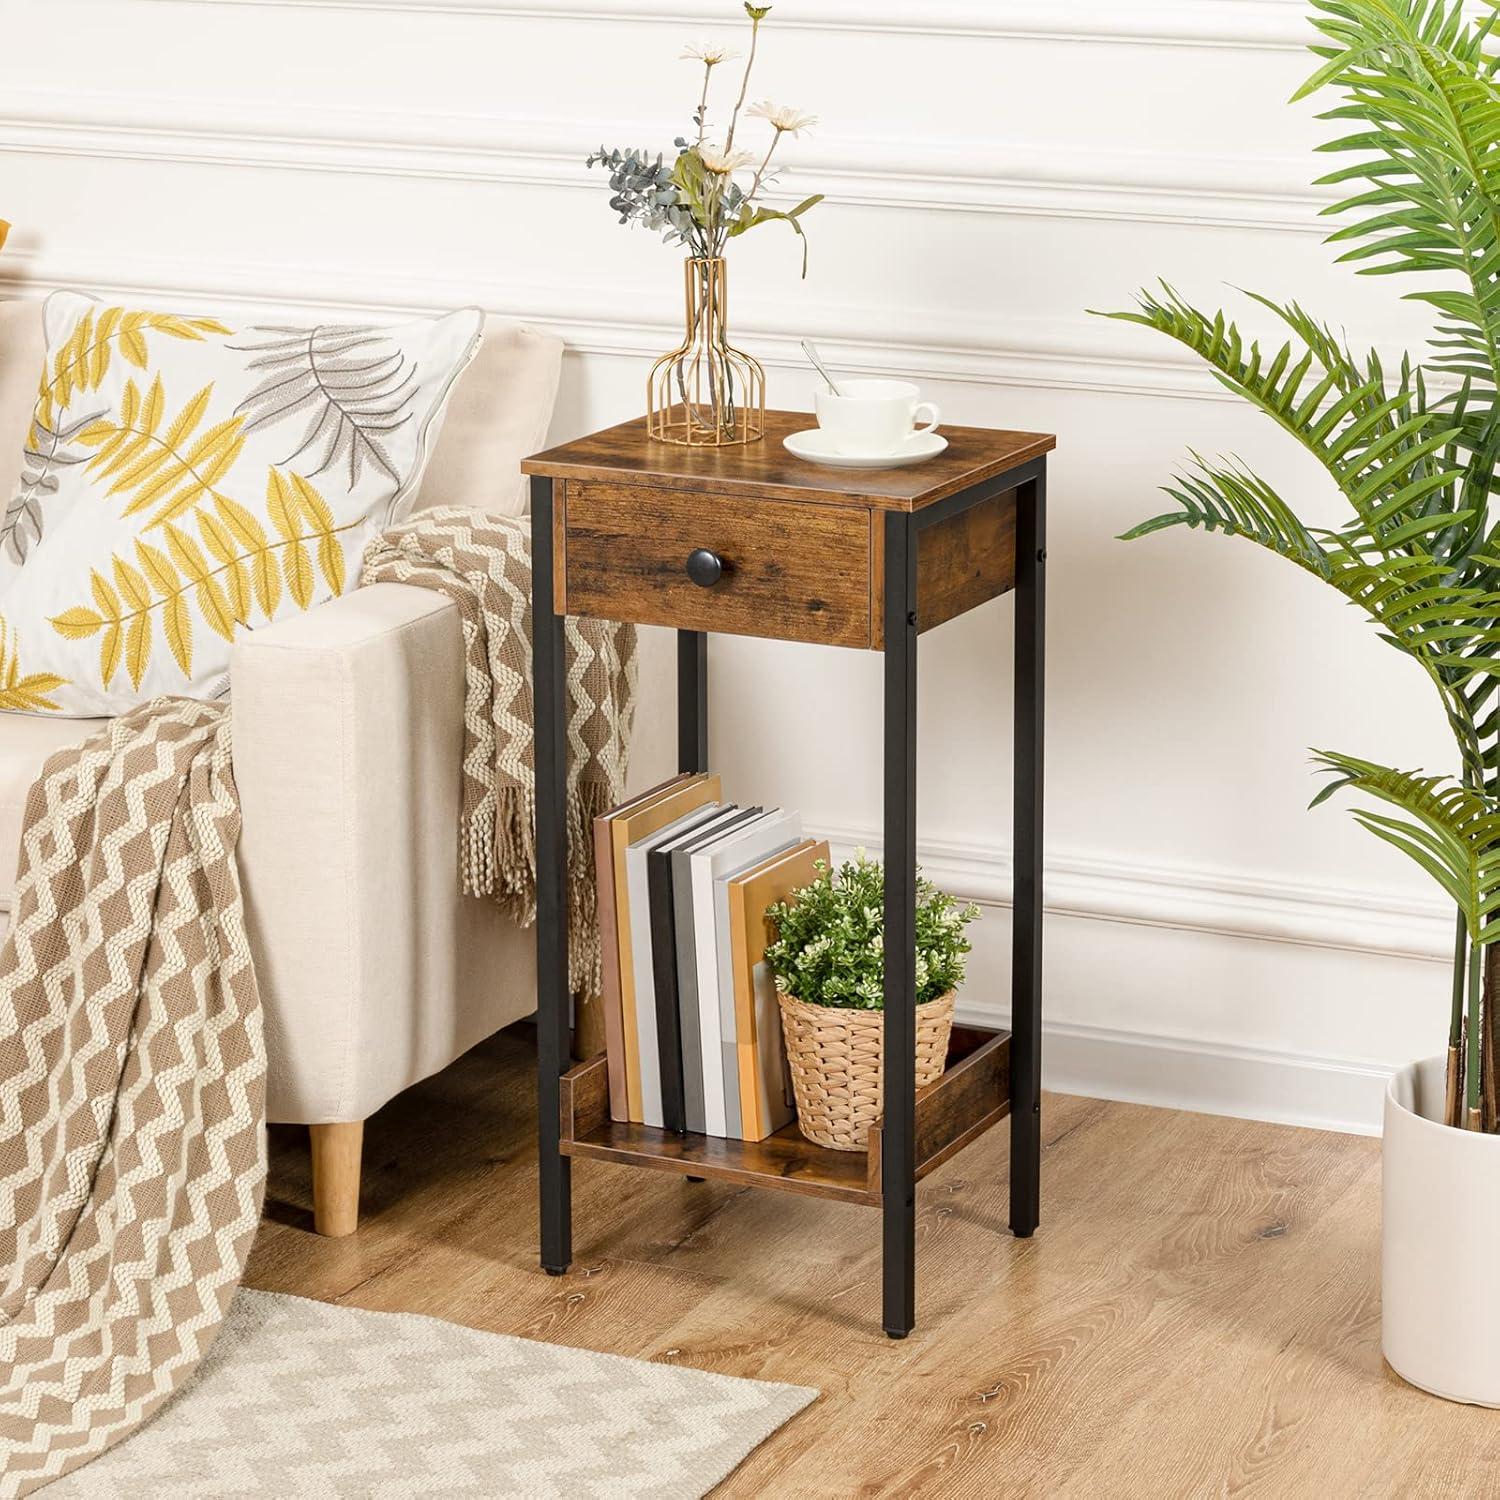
303,1399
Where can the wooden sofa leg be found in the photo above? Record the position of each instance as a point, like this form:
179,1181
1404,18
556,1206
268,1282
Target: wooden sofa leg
335,1176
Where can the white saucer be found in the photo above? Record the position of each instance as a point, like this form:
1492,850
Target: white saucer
814,446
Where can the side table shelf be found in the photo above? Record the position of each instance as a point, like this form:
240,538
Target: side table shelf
972,1095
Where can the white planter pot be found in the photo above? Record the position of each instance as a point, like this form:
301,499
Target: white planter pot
1440,1275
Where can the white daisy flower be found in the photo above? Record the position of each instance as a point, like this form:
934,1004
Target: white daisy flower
724,162
710,54
782,117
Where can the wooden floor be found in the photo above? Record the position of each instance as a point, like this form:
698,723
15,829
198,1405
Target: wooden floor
1198,1315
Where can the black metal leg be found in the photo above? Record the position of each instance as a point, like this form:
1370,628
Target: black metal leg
549,677
1026,909
692,700
898,1151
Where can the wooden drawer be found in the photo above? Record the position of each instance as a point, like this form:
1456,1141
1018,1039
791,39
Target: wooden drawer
791,571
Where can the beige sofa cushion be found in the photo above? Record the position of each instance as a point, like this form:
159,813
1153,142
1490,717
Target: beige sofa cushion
498,414
26,740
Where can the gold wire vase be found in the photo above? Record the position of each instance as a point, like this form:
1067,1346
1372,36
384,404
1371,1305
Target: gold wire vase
707,393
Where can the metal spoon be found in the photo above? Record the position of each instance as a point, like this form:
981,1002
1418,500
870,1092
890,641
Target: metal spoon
812,355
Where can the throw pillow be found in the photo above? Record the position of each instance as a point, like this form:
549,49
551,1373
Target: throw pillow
187,478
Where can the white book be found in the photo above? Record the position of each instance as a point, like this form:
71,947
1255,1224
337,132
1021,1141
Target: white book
641,959
743,846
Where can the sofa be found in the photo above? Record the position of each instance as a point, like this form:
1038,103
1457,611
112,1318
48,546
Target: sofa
375,971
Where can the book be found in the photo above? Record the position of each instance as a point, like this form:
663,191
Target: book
609,944
653,813
770,837
638,899
609,965
687,966
764,1103
743,846
664,957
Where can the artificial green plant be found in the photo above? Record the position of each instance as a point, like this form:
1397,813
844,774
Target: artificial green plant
1412,450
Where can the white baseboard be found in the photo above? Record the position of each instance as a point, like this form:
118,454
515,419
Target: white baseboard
1248,1083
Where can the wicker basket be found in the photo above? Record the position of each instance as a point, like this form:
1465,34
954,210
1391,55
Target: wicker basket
835,1056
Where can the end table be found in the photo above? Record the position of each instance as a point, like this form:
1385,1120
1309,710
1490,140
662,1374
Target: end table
752,541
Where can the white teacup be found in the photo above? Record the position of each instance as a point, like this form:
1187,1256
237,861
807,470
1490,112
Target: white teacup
873,417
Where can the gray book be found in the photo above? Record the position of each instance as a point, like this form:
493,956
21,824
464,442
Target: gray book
778,830
687,961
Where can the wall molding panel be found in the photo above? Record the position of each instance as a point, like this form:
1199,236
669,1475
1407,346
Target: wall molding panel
1074,356
1274,25
1237,904
1238,193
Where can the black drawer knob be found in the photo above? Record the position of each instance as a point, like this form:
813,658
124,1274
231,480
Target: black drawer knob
704,567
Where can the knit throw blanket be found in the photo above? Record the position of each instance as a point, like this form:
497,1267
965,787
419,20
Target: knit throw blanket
132,1086
132,1065
483,563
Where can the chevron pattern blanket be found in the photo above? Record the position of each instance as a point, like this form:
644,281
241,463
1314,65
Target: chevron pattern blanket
483,563
132,1064
132,1071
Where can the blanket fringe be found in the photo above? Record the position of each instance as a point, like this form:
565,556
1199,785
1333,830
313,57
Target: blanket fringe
499,861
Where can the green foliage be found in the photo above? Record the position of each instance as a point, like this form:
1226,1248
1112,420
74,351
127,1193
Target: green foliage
750,217
1419,116
830,943
1451,832
695,199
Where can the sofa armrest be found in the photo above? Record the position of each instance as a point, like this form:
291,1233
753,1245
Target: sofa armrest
348,744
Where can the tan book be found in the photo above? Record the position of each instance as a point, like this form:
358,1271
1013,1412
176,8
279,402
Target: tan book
609,943
760,1051
651,815
609,954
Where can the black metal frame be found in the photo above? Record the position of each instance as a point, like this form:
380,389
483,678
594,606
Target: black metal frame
898,1159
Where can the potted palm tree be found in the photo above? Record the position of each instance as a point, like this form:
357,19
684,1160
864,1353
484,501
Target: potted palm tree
1412,451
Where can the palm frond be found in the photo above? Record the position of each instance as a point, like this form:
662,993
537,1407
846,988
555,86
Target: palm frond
352,385
1390,455
1417,601
1420,90
1451,832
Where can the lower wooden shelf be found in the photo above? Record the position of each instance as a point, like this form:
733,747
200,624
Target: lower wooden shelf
972,1095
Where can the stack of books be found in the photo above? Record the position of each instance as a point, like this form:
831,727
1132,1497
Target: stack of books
692,1024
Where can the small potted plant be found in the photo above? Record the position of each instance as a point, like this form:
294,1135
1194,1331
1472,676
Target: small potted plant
829,963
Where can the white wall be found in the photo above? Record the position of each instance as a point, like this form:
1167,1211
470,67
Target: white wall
993,168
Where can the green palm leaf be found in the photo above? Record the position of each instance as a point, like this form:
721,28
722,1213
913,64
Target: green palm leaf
1419,86
1451,832
1388,453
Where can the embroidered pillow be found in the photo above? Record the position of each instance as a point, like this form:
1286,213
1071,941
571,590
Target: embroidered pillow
187,478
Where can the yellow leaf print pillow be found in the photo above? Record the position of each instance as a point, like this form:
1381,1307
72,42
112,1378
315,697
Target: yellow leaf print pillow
188,478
